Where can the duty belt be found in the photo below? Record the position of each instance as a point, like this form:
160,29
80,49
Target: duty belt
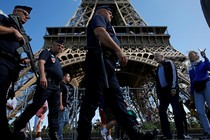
57,82
109,55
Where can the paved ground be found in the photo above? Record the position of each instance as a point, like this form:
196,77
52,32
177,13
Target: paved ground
194,137
194,133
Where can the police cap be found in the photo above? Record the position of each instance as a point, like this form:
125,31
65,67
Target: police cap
26,8
107,7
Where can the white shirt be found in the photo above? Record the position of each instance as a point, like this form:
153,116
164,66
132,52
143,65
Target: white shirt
13,103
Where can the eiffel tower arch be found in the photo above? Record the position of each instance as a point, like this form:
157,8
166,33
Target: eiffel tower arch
139,41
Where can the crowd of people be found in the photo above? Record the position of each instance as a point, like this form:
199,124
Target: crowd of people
102,88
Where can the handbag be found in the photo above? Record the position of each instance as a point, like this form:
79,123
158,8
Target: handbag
199,86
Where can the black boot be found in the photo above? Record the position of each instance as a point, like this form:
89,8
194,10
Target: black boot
149,135
20,136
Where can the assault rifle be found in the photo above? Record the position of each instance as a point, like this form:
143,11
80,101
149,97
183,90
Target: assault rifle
25,46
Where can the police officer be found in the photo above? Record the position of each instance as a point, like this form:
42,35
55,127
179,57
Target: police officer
50,76
205,5
10,40
103,52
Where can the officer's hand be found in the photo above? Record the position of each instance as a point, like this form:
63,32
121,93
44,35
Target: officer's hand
61,108
18,36
25,61
122,58
43,82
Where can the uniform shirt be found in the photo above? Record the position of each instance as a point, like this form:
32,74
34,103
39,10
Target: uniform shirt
8,43
92,41
99,21
52,65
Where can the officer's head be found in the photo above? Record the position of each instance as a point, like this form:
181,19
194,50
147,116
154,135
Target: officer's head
58,46
23,12
105,10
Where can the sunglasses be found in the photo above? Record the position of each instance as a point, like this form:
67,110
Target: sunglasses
24,12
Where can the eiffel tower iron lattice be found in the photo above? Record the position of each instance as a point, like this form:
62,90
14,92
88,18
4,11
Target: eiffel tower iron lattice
139,41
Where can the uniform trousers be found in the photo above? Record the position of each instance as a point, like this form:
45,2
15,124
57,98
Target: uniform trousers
52,95
96,86
7,74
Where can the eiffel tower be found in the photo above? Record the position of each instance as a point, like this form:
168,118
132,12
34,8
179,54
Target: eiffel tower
139,41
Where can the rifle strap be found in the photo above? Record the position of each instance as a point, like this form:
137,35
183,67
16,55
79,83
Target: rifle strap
13,86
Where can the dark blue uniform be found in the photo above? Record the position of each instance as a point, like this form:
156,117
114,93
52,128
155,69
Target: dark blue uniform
96,83
205,5
51,94
9,68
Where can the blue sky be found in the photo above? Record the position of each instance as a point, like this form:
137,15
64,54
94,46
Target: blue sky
184,19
